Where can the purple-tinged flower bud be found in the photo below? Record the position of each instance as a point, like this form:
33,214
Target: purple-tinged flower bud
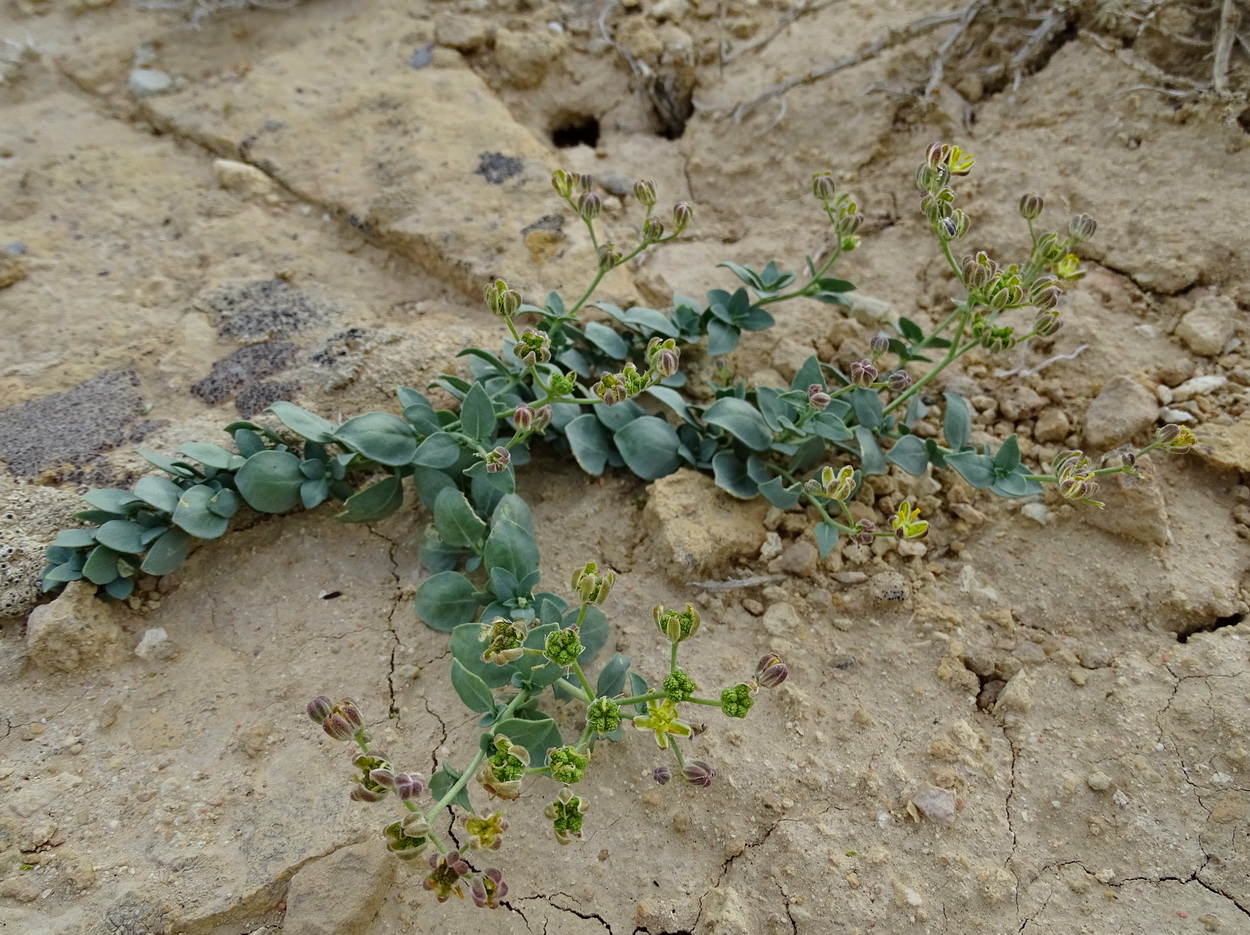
497,461
682,215
823,187
1031,206
644,191
1046,324
320,708
661,774
879,344
1081,228
349,709
866,532
589,205
586,182
898,381
523,417
488,890
849,223
1128,459
1169,432
771,671
863,373
360,793
337,727
383,776
698,773
1047,297
409,785
663,357
936,154
947,228
542,419
817,396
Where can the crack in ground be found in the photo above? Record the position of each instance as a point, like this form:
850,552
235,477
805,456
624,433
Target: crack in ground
548,897
396,645
785,898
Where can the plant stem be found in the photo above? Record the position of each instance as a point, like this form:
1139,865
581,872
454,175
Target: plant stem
574,690
638,699
581,677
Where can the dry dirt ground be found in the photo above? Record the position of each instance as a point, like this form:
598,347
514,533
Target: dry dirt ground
1080,681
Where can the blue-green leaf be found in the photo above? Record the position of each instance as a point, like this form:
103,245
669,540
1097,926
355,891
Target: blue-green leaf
511,508
976,469
313,492
446,600
867,405
270,481
537,736
375,502
779,495
168,552
475,693
120,588
871,458
121,536
159,492
741,420
594,632
380,437
607,340
456,522
112,499
443,781
302,422
826,538
589,442
910,453
731,476
477,415
957,421
101,565
168,465
213,456
80,538
440,450
512,547
612,677
1008,457
429,483
649,447
722,338
194,516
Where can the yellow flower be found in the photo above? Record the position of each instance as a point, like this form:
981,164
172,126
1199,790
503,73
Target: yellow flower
661,717
1069,267
906,522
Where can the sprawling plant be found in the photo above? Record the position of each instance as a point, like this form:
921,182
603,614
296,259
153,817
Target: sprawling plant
611,395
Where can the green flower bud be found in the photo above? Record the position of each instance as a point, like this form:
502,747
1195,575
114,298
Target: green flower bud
485,834
682,216
676,625
564,182
678,686
586,182
736,700
608,256
533,348
504,639
823,187
1046,323
563,647
1031,206
562,384
589,205
663,358
501,300
603,715
592,587
1081,228
652,230
567,765
404,843
565,815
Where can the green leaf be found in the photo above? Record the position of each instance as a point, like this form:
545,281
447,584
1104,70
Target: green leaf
270,481
915,411
674,400
612,677
512,547
871,458
594,632
649,447
957,421
910,330
120,588
429,483
607,340
1008,457
375,502
834,285
826,538
514,510
722,338
910,453
225,503
213,456
159,492
477,415
779,495
64,572
589,442
248,443
79,538
440,450
435,554
456,522
730,473
741,420
446,600
830,427
380,437
119,535
807,374
101,565
313,492
168,465
194,516
475,693
1015,484
867,405
615,418
537,736
111,499
489,488
638,686
442,782
976,469
302,422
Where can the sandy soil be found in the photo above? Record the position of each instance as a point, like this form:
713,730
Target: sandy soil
303,204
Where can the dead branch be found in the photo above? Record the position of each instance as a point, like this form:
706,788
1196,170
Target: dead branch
1230,19
811,6
939,63
891,39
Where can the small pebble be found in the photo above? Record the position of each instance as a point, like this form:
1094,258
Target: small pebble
147,82
1099,782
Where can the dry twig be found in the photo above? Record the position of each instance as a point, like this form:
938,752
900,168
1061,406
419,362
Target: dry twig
939,63
1230,19
811,6
892,38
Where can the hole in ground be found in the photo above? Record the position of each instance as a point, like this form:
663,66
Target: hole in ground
1218,623
576,130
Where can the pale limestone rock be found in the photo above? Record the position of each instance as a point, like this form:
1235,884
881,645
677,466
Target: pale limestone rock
1135,509
1209,325
525,55
1052,425
242,179
77,629
697,528
1122,410
339,893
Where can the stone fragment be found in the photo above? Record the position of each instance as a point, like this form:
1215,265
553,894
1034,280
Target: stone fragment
1098,781
1016,696
339,893
75,630
12,270
463,33
1121,411
799,558
781,619
936,804
697,528
525,55
149,82
1226,446
1020,402
1198,386
244,180
1208,326
155,645
1052,425
1135,509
